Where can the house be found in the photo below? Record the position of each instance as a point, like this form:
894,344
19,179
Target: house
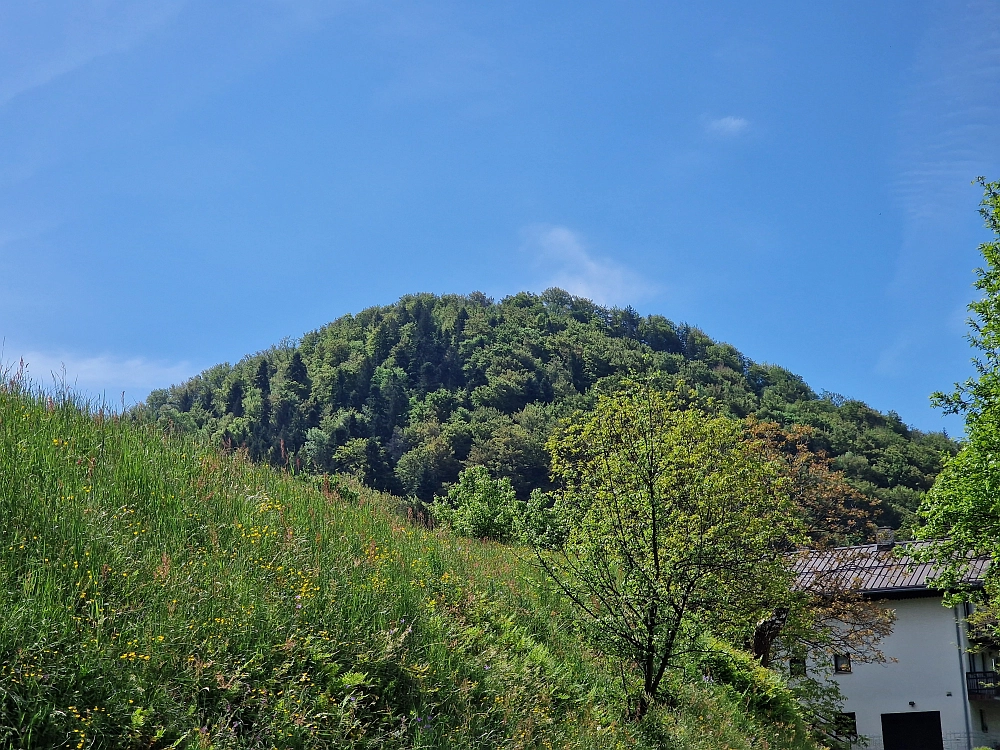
933,692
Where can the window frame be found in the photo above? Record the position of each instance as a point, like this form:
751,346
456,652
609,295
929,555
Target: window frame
842,664
797,667
845,725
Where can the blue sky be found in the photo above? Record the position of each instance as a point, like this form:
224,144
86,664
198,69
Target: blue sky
183,183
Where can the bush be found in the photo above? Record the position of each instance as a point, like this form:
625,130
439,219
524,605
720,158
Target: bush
479,506
764,691
540,525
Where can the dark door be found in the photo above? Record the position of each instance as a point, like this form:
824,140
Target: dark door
913,730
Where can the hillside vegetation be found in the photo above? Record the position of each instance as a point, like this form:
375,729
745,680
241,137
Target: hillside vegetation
407,395
156,592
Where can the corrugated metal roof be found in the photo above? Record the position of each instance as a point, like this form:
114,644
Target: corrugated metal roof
869,570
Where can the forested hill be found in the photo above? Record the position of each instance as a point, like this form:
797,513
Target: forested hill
409,394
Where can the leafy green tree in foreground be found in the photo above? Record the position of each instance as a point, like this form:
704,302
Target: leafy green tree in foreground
677,526
961,511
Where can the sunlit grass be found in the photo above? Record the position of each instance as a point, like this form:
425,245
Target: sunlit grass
157,593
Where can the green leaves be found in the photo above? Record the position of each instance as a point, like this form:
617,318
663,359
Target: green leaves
436,384
479,506
962,512
978,395
677,526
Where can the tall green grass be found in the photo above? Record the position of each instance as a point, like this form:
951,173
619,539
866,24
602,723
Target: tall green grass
157,593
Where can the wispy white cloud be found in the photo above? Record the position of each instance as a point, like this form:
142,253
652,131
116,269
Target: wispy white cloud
41,42
947,124
892,360
946,136
569,265
103,376
435,58
727,126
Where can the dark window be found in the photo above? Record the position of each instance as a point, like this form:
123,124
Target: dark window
845,726
842,664
913,730
797,667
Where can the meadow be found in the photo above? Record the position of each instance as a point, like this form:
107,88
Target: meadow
157,592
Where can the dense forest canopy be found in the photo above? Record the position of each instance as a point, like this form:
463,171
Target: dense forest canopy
407,395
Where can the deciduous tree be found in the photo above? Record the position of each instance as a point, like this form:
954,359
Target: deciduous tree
678,524
479,506
961,513
834,513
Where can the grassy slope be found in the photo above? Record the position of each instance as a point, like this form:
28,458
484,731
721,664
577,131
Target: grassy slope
154,593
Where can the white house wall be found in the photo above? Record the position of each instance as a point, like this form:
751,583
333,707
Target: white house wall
928,674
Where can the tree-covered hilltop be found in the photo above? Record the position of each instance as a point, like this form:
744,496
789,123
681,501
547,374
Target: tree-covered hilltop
409,394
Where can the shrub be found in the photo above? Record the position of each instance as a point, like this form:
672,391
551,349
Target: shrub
479,506
764,691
